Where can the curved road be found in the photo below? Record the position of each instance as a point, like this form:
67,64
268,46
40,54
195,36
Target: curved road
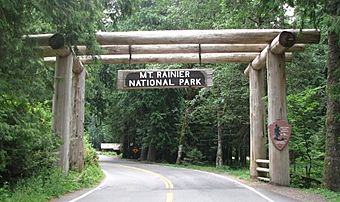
128,181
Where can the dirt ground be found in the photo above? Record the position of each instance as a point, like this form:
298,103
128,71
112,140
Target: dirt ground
293,193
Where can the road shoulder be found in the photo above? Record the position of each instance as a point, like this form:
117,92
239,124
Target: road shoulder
293,193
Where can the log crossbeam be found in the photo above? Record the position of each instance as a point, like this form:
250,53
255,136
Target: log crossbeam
47,51
279,45
230,36
187,58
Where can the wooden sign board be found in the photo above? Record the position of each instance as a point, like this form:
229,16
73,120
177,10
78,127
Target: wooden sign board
113,146
135,150
279,132
166,78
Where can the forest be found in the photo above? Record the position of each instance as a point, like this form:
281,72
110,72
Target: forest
208,126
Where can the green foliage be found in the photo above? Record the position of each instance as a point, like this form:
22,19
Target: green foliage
69,17
227,103
27,146
194,156
307,117
109,153
91,158
51,184
326,193
26,142
135,118
306,114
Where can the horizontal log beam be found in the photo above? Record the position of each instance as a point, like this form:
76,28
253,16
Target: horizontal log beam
181,48
56,41
279,45
231,36
282,42
39,39
169,58
164,49
260,169
266,179
172,58
47,51
262,161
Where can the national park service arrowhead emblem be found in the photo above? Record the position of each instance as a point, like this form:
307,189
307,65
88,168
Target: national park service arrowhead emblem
279,132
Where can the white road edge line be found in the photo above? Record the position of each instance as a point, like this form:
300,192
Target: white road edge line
92,190
244,185
234,181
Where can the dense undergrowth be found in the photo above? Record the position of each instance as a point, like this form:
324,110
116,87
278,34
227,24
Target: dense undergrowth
53,183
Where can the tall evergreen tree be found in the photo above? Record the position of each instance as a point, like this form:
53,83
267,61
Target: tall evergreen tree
332,157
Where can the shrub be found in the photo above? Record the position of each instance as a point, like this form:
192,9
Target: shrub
27,145
91,157
194,156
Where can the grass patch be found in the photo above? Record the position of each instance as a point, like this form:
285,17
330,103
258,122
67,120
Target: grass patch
109,153
241,173
51,185
326,193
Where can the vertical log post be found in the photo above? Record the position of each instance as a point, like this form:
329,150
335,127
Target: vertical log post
77,122
257,113
62,106
277,109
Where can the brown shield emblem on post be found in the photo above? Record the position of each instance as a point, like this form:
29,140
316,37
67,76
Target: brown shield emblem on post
279,132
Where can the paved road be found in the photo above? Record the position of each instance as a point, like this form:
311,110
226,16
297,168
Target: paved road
128,181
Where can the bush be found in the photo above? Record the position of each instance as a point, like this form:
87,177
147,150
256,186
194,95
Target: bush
194,156
91,157
27,145
50,185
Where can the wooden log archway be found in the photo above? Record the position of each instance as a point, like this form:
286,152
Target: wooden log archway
260,48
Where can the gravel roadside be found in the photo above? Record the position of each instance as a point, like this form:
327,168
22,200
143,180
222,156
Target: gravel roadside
293,193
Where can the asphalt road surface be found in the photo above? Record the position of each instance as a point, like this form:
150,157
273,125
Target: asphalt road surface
128,181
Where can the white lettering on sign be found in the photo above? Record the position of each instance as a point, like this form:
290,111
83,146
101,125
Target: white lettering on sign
175,78
150,82
172,74
145,75
190,82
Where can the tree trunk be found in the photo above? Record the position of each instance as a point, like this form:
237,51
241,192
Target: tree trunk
237,155
143,153
179,154
182,135
332,156
126,147
151,153
257,119
219,159
243,157
77,123
228,150
277,110
62,107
